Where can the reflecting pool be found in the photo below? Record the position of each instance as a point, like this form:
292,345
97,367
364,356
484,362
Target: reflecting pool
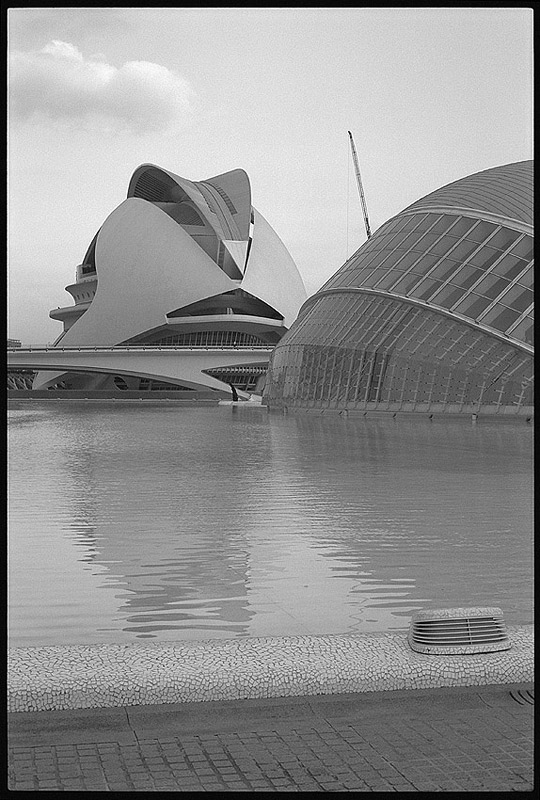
151,521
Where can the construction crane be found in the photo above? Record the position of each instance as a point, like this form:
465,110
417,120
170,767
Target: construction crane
360,189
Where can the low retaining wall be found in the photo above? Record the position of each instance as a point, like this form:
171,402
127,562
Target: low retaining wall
104,676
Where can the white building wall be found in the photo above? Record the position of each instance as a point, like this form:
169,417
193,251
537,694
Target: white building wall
147,266
271,273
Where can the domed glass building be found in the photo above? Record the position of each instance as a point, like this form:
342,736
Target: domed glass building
434,313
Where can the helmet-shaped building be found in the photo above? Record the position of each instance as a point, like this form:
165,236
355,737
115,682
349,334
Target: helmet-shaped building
179,262
434,313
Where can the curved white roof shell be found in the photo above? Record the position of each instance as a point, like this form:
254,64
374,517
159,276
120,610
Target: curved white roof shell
174,242
147,266
180,255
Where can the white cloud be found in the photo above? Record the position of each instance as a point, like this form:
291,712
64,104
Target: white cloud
60,83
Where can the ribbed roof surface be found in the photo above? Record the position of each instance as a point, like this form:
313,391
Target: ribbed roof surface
506,191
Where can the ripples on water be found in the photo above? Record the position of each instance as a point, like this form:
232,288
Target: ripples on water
152,521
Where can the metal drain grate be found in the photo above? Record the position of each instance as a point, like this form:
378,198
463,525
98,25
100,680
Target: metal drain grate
458,630
523,696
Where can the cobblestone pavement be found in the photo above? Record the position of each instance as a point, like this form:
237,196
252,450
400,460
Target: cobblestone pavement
477,739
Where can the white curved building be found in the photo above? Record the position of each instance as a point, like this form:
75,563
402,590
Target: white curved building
179,262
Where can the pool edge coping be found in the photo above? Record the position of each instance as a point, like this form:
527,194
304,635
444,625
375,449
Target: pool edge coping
65,677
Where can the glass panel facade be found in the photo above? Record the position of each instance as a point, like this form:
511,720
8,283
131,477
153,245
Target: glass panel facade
485,258
524,248
524,331
500,317
401,271
425,264
376,276
427,240
447,296
481,231
461,227
466,276
364,350
472,305
406,261
491,286
403,285
377,259
442,246
425,289
390,278
394,257
444,269
412,222
210,339
395,357
408,241
517,297
442,224
462,251
509,266
527,279
454,250
504,238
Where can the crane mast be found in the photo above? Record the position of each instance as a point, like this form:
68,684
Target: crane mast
359,182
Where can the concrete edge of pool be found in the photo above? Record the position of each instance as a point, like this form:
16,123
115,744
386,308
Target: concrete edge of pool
63,678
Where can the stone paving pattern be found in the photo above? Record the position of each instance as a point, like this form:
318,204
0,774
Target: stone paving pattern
99,676
443,740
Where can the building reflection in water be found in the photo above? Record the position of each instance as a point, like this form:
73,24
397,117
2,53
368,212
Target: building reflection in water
450,506
171,534
203,523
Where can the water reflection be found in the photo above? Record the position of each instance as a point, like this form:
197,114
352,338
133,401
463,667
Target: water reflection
159,522
176,550
450,505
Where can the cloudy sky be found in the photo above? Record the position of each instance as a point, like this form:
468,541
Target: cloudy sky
430,95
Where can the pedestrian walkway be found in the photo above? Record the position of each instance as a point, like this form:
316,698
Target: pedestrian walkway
448,739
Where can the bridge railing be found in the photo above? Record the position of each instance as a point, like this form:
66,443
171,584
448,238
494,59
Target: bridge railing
116,348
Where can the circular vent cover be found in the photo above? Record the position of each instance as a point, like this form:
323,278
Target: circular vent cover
458,630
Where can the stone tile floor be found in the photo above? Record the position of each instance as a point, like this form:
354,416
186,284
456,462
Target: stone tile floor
438,740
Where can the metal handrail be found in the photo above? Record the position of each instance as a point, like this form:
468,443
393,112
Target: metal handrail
140,347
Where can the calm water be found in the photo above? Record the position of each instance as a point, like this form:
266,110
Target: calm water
132,522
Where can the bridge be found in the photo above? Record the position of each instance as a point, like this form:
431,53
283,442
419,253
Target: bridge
186,366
